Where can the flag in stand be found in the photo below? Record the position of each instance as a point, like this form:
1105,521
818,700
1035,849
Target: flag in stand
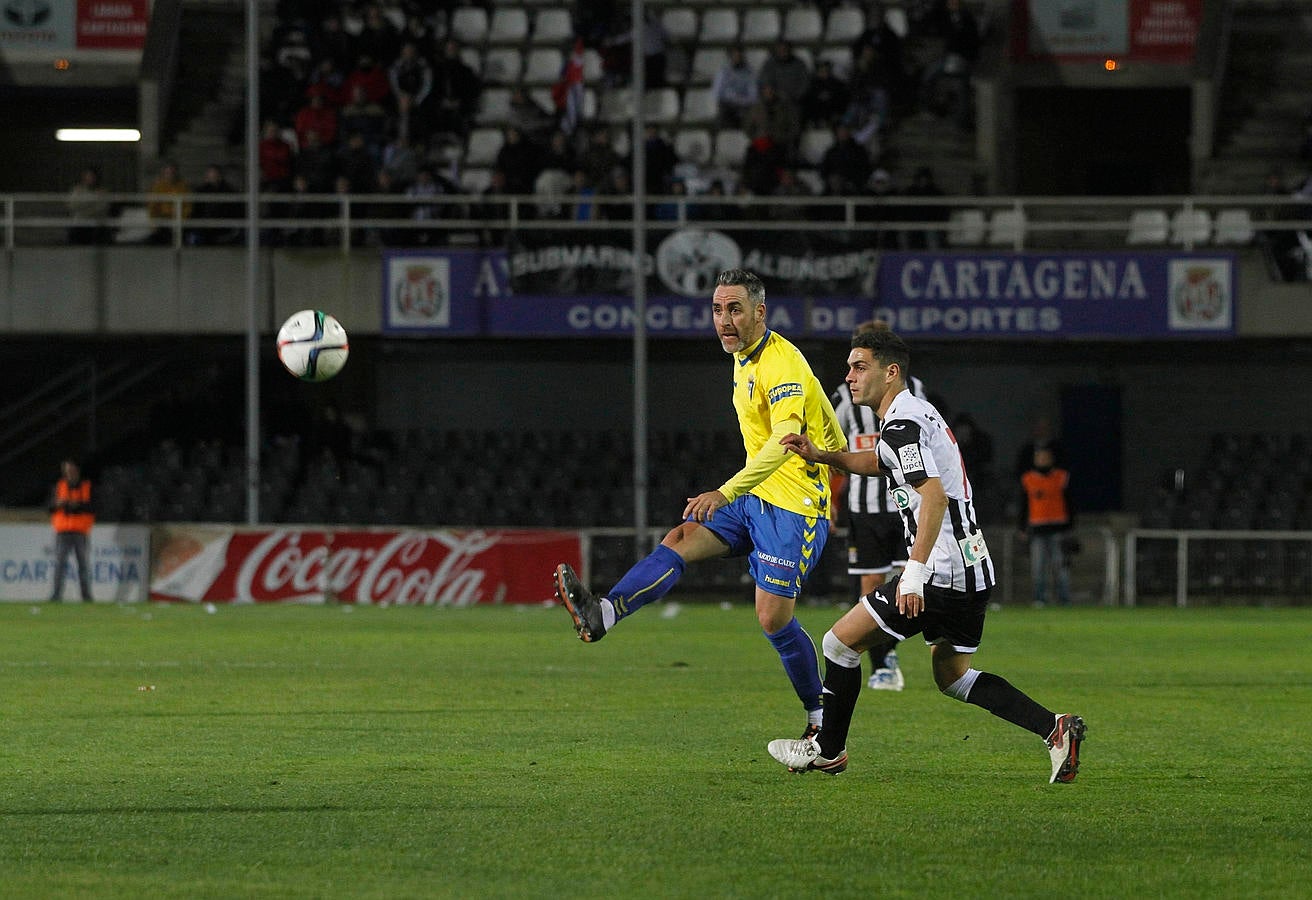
567,93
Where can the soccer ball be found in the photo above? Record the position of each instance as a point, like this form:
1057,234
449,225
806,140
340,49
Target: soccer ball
312,345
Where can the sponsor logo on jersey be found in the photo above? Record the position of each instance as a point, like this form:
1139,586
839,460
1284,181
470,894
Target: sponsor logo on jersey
865,441
776,561
909,458
788,389
973,549
901,497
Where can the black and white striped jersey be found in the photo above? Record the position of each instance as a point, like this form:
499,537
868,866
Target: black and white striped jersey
865,493
914,444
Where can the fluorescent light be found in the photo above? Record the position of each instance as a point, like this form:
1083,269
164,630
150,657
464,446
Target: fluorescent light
97,134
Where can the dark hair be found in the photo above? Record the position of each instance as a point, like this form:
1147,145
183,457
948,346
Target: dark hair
743,278
886,347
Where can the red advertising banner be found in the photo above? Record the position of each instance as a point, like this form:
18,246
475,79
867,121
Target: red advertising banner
112,24
401,567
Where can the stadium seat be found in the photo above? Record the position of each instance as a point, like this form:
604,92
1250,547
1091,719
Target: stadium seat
730,148
543,65
475,181
483,146
844,25
756,57
132,225
698,106
706,62
811,178
1007,228
592,69
693,145
966,227
1233,226
502,65
661,106
840,58
469,24
719,26
680,24
814,143
1191,227
1148,226
494,106
552,26
803,25
509,25
895,17
761,25
616,105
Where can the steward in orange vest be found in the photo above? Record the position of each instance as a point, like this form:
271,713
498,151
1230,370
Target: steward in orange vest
71,516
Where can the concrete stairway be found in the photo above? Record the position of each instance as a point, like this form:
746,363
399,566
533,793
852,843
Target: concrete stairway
1265,98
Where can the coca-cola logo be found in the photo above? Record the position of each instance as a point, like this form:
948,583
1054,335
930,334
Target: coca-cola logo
409,568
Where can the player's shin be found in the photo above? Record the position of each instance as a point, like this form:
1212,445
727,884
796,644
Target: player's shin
842,687
650,579
798,655
1000,697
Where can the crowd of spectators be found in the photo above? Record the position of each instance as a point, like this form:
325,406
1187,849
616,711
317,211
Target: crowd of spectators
379,98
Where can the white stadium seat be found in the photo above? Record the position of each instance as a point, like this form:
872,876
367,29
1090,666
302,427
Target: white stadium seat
509,25
1007,227
719,26
552,26
543,65
1148,226
693,145
483,146
494,106
1190,227
844,25
803,25
680,24
661,106
699,106
502,65
616,105
761,25
1233,226
814,143
966,227
469,24
707,61
730,148
475,181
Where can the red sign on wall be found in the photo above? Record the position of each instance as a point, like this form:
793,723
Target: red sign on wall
1164,31
404,567
112,24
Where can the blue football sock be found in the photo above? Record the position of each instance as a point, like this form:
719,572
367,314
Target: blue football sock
651,579
800,662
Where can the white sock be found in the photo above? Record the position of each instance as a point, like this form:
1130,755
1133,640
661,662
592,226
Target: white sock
607,614
815,717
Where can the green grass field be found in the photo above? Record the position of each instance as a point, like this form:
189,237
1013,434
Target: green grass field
160,751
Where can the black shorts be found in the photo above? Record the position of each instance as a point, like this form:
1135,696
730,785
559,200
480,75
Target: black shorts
955,618
876,542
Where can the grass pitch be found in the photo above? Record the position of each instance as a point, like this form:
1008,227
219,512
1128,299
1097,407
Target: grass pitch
160,751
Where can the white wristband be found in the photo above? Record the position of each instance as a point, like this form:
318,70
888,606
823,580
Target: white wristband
913,578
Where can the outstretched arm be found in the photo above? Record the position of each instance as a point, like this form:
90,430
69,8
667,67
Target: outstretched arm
858,462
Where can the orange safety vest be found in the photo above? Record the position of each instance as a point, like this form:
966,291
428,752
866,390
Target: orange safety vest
1046,495
73,521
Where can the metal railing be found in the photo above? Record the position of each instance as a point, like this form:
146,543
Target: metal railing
349,220
1188,567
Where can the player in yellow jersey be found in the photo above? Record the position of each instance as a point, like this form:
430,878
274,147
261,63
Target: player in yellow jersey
774,510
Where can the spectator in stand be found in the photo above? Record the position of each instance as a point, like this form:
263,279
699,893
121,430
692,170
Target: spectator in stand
958,28
534,122
619,184
356,164
378,37
761,164
301,206
599,158
411,79
734,89
560,153
519,160
493,207
868,110
319,117
712,211
786,73
315,162
617,51
275,159
661,160
329,82
668,210
924,185
889,55
213,182
365,117
164,212
383,205
334,42
401,161
846,165
294,57
86,201
332,237
420,33
881,187
368,74
775,118
827,97
789,188
585,209
428,185
456,90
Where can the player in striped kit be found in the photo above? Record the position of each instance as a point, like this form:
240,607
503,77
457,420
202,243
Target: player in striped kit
941,594
876,540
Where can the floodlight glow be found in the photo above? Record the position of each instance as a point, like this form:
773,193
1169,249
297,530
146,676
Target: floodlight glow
98,134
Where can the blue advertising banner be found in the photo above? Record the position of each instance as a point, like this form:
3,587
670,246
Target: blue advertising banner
580,284
1034,295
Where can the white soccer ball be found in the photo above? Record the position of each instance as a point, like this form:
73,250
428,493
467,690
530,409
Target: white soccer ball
312,345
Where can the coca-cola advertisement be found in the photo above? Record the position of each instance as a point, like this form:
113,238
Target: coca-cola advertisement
411,567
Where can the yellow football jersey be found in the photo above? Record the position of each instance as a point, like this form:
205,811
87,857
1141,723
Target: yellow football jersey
773,381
